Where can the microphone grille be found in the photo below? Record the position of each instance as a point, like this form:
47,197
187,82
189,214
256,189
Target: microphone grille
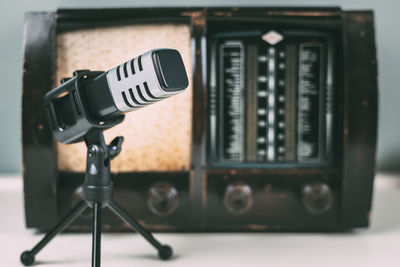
146,79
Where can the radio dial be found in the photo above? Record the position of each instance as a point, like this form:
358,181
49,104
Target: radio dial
238,198
163,199
317,198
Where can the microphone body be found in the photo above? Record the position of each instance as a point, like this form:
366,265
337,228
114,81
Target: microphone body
144,80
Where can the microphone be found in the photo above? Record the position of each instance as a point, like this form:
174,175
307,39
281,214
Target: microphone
144,80
93,99
82,107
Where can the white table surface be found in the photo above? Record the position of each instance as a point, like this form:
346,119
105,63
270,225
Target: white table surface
377,246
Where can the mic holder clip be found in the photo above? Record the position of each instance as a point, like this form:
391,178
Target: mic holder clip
66,110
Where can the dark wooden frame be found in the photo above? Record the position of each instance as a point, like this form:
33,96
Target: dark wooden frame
45,197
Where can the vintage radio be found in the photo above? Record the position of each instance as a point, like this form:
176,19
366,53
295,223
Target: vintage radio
276,131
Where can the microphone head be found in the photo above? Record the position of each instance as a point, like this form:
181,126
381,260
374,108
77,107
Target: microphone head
148,78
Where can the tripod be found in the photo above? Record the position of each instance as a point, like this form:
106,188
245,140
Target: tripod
97,194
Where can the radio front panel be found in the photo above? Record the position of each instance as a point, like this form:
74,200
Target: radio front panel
272,98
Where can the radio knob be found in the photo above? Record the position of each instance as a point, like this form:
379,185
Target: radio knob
162,199
317,198
238,198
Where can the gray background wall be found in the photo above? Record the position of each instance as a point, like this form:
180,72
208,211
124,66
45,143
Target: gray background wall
387,21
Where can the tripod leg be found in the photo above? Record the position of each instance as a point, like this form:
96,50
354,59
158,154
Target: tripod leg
96,234
28,257
164,251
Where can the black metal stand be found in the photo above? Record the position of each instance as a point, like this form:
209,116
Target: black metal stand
97,193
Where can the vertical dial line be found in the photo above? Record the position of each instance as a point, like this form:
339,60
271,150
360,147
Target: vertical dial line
329,102
262,104
232,100
213,106
271,104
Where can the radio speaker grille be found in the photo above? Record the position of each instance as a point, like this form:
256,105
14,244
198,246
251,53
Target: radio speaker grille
158,137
